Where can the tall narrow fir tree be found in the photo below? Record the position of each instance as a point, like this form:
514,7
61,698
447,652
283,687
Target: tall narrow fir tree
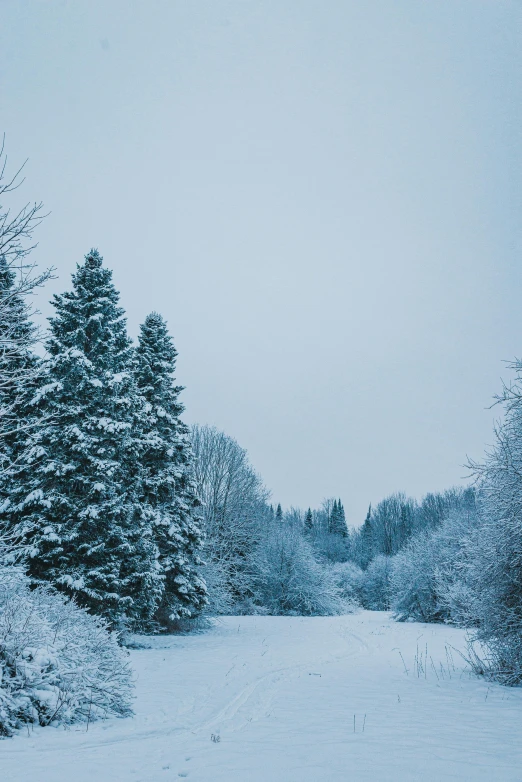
337,523
168,492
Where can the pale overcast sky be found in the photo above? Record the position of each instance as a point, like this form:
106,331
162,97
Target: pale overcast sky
322,198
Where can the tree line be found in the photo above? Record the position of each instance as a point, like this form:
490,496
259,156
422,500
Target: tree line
112,500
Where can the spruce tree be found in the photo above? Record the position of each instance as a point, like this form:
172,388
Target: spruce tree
342,529
337,524
308,521
332,518
366,539
279,512
78,497
167,490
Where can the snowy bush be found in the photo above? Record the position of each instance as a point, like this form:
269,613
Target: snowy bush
495,578
430,579
413,583
349,578
454,554
291,580
331,546
497,658
58,664
221,600
375,587
496,562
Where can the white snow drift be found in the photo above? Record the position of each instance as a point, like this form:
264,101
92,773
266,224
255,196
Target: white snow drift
291,699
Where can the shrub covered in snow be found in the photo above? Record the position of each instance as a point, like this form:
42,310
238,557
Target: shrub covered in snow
413,582
431,578
292,580
349,578
495,581
376,587
496,563
58,663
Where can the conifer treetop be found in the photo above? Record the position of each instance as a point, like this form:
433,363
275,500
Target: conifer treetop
93,259
156,358
89,318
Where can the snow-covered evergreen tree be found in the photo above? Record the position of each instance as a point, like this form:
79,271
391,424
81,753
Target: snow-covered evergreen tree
279,512
332,517
362,542
309,521
343,529
168,490
78,496
337,525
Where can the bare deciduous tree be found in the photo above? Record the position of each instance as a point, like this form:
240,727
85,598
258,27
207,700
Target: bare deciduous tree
19,281
234,507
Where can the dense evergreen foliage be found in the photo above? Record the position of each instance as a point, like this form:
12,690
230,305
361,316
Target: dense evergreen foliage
78,498
337,522
168,493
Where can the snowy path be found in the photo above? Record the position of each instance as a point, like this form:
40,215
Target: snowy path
282,693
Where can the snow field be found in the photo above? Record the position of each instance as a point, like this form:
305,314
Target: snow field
292,699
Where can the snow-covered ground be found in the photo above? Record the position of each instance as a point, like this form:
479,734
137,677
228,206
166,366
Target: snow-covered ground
292,700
